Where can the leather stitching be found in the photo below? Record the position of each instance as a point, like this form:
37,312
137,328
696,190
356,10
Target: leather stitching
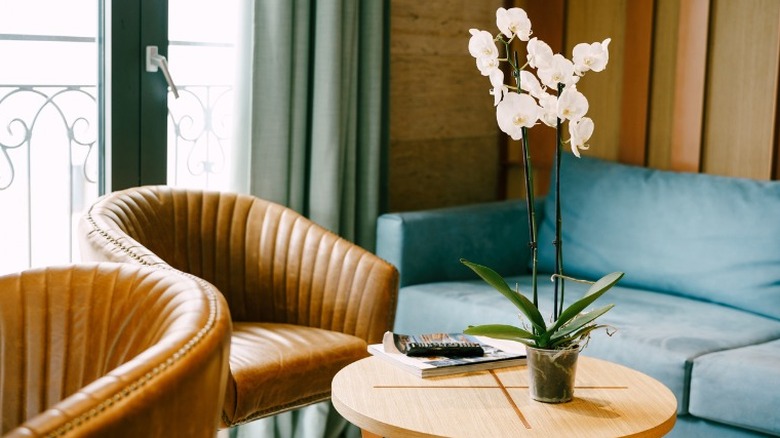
159,369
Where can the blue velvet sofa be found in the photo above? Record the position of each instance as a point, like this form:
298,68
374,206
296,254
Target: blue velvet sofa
698,308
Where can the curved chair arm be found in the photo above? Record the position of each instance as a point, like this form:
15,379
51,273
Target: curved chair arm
271,263
111,350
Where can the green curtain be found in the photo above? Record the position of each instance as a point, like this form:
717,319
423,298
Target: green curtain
315,110
312,108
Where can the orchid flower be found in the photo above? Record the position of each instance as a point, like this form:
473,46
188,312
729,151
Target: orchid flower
482,45
580,131
488,65
572,105
513,22
540,55
530,84
549,114
591,56
499,89
560,70
515,112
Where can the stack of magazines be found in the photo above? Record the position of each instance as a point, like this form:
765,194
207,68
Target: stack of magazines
438,354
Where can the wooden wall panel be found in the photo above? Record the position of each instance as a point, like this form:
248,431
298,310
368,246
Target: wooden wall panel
712,107
690,77
590,21
662,84
742,88
443,134
635,96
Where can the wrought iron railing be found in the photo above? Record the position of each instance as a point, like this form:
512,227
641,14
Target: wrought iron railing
49,158
22,108
199,132
48,169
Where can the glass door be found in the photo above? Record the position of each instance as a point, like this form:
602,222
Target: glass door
202,57
80,115
48,127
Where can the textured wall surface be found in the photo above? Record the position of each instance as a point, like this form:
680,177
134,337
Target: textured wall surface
690,86
444,143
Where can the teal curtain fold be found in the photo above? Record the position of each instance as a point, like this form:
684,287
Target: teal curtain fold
316,104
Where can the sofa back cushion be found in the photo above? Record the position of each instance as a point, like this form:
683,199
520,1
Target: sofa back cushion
426,246
703,236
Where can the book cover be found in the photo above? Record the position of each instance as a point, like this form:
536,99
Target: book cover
498,353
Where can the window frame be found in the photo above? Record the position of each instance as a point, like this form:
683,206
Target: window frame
136,99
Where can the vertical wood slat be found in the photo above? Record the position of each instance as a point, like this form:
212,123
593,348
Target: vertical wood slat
776,145
741,106
691,67
659,134
776,140
637,62
594,20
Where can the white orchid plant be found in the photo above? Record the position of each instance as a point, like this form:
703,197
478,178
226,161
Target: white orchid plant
550,96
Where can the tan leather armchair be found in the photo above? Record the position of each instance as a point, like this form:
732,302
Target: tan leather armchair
304,301
111,350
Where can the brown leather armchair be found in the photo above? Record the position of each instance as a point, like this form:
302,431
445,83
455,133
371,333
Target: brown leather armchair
304,301
108,349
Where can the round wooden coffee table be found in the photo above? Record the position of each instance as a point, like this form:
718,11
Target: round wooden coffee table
610,400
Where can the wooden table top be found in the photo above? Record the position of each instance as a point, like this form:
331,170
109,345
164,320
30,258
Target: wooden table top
610,400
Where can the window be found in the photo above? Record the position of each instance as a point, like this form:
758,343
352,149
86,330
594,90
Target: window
48,127
57,151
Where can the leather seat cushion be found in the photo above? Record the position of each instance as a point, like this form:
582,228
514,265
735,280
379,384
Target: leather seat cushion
269,361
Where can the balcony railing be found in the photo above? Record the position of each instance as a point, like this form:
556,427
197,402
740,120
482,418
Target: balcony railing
49,158
48,170
199,130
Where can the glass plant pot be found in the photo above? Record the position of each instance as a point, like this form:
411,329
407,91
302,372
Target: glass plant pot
551,374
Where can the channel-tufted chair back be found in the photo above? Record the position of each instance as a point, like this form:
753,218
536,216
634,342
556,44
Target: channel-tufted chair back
303,300
108,349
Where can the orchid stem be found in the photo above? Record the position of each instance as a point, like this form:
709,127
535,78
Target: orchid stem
529,198
558,296
530,207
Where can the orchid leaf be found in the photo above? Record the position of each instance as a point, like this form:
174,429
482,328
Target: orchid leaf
596,290
577,336
519,300
579,322
603,284
500,331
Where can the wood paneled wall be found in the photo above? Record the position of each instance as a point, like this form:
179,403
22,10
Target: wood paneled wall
691,86
444,143
741,101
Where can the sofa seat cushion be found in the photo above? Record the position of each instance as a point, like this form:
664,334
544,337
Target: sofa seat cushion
737,386
269,360
658,334
688,426
702,236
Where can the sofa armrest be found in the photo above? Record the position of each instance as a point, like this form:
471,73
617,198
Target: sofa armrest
426,246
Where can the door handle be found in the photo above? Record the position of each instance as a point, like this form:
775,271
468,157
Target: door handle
155,62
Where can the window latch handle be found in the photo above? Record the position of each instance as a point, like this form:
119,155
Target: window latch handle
155,62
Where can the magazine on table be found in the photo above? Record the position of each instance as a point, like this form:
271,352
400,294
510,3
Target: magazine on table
445,357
